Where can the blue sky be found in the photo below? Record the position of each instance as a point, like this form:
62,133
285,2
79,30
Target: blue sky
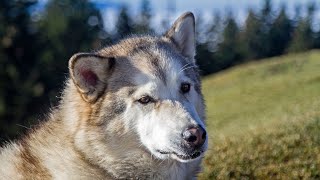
199,5
206,8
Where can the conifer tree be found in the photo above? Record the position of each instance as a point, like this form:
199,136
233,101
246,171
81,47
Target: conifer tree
142,23
124,25
228,50
36,54
17,56
303,36
251,36
280,33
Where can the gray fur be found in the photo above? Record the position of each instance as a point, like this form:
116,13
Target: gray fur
101,131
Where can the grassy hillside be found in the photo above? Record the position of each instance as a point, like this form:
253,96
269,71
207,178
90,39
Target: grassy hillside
264,119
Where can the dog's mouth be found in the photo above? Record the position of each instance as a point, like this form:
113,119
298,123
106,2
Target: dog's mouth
189,156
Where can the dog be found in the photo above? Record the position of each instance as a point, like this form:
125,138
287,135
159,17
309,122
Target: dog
133,110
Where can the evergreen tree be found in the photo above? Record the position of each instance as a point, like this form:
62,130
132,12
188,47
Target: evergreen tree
207,44
251,37
142,24
280,33
228,50
36,54
303,36
266,15
67,27
205,60
124,25
17,55
302,40
213,33
266,18
204,57
317,39
256,36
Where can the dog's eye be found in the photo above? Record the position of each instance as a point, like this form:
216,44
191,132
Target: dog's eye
145,100
185,87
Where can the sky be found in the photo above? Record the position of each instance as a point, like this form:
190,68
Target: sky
198,5
204,8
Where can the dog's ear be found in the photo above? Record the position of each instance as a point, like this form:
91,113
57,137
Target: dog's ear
90,73
182,33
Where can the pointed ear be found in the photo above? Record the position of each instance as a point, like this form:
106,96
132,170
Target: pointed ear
89,73
182,33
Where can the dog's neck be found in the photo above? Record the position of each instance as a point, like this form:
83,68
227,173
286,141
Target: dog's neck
145,167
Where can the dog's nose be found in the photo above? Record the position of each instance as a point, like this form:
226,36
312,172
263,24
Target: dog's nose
195,136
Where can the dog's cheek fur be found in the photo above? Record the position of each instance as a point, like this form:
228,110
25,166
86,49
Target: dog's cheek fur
115,106
152,131
160,129
118,116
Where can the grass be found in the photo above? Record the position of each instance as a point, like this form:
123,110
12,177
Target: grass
288,152
263,119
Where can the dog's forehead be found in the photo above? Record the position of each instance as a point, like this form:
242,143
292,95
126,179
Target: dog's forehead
158,62
152,58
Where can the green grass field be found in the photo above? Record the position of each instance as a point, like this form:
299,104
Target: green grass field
263,119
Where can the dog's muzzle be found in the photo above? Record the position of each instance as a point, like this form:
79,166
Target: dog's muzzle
193,139
194,136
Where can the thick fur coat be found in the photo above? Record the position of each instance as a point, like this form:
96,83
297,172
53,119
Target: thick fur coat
133,110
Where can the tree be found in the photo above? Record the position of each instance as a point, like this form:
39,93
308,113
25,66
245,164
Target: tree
16,57
213,33
208,38
142,24
35,56
228,50
303,36
205,60
266,17
257,36
280,33
124,24
251,37
67,27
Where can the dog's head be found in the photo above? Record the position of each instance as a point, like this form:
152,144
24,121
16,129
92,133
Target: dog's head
145,93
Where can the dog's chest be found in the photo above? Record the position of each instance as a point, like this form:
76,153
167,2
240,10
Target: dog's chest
178,171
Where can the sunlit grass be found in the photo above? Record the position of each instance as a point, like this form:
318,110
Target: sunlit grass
260,100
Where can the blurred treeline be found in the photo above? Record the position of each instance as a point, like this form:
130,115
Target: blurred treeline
35,46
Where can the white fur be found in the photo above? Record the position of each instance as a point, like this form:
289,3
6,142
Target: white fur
101,131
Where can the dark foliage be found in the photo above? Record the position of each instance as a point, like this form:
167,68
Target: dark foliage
34,56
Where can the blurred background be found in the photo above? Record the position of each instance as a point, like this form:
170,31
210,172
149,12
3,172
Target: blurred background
258,59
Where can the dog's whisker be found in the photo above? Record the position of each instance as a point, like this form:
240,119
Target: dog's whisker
183,67
187,68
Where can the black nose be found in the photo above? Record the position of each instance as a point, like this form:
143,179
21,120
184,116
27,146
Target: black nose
195,136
